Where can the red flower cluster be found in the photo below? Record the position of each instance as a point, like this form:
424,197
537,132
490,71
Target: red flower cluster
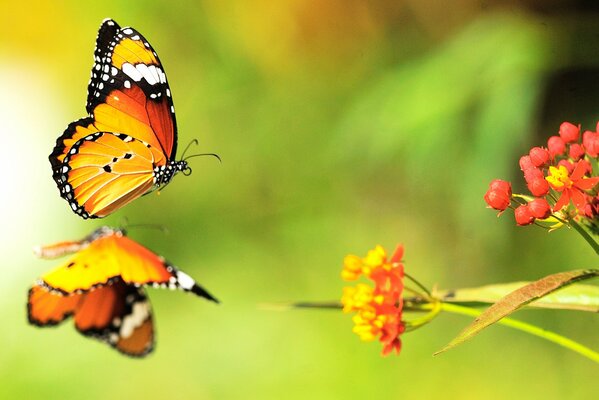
559,174
379,309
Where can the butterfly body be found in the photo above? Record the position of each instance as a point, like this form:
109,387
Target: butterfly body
127,145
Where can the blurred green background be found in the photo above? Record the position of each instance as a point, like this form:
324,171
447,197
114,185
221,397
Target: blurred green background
342,124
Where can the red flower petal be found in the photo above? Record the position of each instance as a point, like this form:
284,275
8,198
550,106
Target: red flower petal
579,199
578,172
587,184
398,254
563,200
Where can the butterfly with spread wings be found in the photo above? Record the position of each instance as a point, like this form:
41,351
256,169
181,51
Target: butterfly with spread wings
126,147
102,287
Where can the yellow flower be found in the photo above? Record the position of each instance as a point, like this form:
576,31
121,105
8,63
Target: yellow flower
379,309
356,298
352,268
559,177
375,258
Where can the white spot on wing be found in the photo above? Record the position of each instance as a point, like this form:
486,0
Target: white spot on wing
151,76
185,281
132,72
139,314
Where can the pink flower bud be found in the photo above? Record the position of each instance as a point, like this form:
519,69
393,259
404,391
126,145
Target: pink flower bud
539,208
523,216
539,156
556,146
590,141
569,132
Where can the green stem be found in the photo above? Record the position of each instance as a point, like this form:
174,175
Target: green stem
585,235
528,328
435,308
420,285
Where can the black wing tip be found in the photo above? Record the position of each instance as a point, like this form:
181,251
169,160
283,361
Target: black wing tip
200,291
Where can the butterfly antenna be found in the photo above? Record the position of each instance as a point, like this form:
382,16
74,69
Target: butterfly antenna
194,141
204,154
161,228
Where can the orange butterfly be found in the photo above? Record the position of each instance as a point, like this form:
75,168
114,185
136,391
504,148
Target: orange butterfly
101,286
126,147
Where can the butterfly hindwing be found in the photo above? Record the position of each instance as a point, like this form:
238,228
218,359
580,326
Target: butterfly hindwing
117,314
45,308
104,171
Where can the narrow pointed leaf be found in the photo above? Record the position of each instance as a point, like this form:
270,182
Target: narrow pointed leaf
579,297
518,298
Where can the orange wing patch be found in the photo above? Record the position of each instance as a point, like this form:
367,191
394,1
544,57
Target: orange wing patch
46,308
129,111
117,314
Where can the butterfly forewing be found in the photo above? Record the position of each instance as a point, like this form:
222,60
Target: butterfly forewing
115,256
128,75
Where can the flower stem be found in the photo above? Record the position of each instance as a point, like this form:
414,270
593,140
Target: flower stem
585,235
435,308
528,328
420,285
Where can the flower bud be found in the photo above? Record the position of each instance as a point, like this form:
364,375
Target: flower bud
576,151
539,208
523,216
539,187
526,163
590,141
532,174
497,199
539,156
556,146
569,132
501,185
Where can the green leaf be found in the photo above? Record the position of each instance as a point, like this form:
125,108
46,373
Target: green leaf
578,297
519,298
